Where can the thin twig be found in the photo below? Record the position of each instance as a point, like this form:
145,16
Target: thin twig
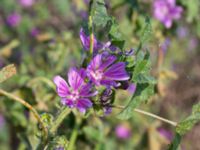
27,105
150,114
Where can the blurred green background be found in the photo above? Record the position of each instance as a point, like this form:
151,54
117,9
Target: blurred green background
41,37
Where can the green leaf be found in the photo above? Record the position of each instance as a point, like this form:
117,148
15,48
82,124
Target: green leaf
140,78
141,71
175,143
115,35
93,134
192,8
145,35
99,13
188,123
147,31
142,94
7,72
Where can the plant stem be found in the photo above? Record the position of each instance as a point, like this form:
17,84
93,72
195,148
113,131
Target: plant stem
59,119
151,115
90,24
91,34
27,105
73,138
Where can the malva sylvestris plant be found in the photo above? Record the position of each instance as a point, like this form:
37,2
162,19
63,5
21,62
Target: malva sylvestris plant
106,68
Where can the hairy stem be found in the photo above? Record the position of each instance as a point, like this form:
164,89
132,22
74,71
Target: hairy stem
35,113
151,115
73,138
59,120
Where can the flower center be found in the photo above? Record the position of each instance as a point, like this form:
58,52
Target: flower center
97,75
74,95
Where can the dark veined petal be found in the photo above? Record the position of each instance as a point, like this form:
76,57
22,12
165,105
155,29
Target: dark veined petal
67,102
107,62
74,79
117,72
86,91
95,62
85,40
61,86
83,104
83,73
109,83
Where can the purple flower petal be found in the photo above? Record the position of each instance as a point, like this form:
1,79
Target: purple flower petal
86,91
61,86
26,3
166,11
102,71
109,83
85,40
14,19
68,102
117,72
75,79
109,60
132,88
122,131
83,104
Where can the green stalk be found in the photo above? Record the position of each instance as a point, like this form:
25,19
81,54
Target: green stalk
59,120
90,24
91,35
73,138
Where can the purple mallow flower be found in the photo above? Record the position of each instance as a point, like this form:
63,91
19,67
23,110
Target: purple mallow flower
85,40
166,133
104,71
122,131
166,11
26,3
34,32
97,45
76,92
13,19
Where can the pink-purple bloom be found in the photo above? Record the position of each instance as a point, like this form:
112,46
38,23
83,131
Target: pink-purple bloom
76,92
34,32
166,11
85,40
13,19
132,88
104,71
166,133
26,3
122,131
